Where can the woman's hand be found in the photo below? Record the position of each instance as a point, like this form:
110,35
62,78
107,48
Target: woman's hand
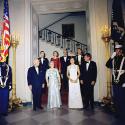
93,83
81,81
73,81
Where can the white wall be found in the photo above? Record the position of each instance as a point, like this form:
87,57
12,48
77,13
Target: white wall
47,19
78,21
20,23
97,45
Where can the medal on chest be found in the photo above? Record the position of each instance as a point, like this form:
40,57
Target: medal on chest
3,83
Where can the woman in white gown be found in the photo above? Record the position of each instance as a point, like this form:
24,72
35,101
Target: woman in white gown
73,73
53,83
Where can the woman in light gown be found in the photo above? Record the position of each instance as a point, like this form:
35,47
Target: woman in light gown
73,73
54,84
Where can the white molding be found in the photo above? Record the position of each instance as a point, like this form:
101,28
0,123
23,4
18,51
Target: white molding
27,46
59,6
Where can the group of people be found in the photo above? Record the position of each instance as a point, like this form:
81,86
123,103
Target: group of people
75,74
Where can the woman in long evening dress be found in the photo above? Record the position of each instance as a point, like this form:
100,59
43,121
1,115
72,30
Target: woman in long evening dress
73,73
53,83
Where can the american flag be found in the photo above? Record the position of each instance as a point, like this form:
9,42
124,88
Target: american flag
117,23
6,30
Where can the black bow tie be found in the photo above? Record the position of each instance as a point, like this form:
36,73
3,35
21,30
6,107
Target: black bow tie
87,62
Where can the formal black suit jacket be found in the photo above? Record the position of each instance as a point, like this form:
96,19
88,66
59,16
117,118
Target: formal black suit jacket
64,64
88,75
34,79
76,59
43,67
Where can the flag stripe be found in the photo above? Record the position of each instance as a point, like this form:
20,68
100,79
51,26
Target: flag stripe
6,30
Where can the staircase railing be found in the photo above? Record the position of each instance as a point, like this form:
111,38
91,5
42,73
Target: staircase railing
61,41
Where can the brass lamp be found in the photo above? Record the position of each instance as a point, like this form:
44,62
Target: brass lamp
14,101
106,31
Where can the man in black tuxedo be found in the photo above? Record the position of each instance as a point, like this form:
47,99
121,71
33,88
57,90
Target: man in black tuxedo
79,60
79,57
44,64
88,79
35,80
64,60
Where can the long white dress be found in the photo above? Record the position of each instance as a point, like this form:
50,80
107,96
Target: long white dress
75,99
54,98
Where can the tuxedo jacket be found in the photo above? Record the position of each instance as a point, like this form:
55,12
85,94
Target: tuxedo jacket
44,66
64,64
88,75
34,79
76,59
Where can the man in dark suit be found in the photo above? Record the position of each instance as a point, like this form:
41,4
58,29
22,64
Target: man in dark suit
79,60
88,79
79,57
35,80
64,60
44,64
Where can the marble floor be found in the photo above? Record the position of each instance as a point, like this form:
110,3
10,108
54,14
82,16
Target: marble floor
63,116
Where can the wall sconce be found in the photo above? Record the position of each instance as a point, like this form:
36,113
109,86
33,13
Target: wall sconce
106,32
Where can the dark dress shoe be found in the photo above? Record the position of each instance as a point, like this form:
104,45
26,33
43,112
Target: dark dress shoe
41,108
34,109
4,114
92,107
85,107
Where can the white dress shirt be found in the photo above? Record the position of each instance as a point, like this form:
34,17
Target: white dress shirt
87,65
65,58
37,70
42,60
79,58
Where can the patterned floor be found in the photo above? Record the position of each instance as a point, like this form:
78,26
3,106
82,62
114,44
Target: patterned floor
63,116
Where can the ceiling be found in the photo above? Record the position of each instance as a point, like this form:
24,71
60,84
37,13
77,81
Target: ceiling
58,6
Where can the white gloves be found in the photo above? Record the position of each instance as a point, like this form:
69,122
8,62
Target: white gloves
123,85
43,85
113,55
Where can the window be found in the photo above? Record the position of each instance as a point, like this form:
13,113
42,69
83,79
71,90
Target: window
68,30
